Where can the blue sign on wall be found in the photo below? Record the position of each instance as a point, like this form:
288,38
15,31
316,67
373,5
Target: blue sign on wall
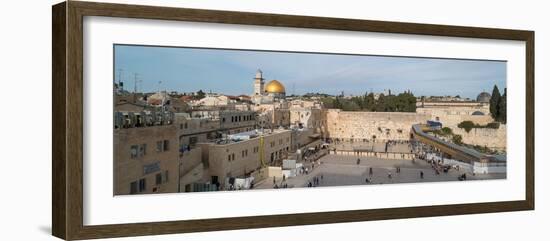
150,168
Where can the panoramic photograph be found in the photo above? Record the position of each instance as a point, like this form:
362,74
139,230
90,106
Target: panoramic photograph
189,119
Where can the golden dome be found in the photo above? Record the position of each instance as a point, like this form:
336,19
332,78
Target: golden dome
274,86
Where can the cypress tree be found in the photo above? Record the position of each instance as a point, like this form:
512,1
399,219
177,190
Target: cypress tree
495,99
502,108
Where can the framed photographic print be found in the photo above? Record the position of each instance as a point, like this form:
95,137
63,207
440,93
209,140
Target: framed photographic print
171,120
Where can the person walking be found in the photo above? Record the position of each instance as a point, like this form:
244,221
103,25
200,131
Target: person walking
421,175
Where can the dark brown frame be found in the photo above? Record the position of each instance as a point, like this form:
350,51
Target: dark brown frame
67,124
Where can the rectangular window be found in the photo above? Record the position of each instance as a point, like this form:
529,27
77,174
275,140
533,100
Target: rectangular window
159,146
142,150
193,140
163,145
142,185
158,179
228,157
133,187
134,151
165,177
166,145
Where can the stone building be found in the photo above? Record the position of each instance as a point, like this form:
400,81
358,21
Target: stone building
237,121
146,159
305,117
244,153
194,130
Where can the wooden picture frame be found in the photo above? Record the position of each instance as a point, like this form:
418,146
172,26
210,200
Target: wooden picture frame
67,152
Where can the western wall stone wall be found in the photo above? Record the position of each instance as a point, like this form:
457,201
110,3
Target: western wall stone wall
361,126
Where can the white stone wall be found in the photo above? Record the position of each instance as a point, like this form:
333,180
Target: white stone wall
364,125
492,138
453,115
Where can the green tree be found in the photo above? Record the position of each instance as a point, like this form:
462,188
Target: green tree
502,108
446,131
350,106
370,102
336,103
466,125
457,139
328,102
200,94
381,103
495,99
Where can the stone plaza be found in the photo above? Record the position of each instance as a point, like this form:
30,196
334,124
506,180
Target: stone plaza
339,170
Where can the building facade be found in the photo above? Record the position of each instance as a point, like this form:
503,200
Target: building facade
229,158
146,160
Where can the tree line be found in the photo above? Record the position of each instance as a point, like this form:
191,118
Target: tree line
403,102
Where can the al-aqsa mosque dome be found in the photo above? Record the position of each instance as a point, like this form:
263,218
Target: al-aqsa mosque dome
483,97
275,87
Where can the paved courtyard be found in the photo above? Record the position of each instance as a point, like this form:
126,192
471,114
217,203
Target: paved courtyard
336,170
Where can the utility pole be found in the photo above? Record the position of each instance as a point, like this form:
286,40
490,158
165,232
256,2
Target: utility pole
136,82
120,83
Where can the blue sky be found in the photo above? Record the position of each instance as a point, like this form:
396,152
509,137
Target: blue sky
232,72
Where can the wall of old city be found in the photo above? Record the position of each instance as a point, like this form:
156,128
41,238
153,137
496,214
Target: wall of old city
348,125
452,115
492,138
